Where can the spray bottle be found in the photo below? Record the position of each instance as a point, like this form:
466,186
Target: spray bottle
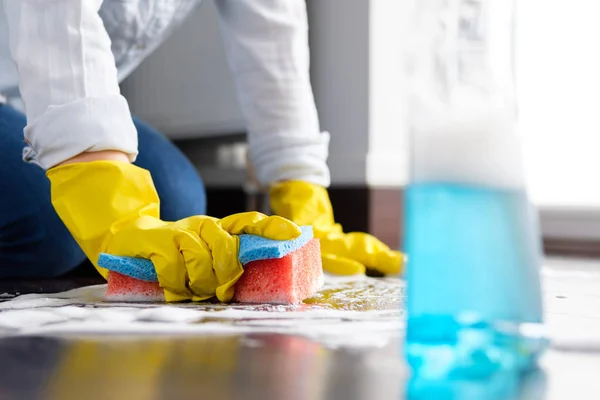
471,236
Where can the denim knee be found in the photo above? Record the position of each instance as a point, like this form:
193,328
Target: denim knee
37,246
178,183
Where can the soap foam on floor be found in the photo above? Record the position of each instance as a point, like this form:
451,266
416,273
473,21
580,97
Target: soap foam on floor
333,323
355,312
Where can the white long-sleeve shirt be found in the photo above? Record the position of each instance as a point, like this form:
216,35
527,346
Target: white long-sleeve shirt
71,55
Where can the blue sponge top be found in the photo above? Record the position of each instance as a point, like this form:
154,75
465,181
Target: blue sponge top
139,268
252,248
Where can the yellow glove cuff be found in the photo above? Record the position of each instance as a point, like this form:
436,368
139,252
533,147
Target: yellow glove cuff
96,199
305,204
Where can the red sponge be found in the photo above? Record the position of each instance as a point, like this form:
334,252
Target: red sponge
125,288
286,280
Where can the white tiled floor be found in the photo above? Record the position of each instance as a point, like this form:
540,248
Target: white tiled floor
572,308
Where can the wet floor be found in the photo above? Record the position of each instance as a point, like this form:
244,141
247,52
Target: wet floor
345,343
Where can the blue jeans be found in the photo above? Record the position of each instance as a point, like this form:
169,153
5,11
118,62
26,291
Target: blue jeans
34,243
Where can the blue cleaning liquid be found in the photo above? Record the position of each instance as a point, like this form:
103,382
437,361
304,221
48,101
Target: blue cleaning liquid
474,297
501,385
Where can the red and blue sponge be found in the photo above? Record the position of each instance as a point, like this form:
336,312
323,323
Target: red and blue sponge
279,272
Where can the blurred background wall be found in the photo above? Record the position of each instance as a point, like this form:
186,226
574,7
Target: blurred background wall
185,90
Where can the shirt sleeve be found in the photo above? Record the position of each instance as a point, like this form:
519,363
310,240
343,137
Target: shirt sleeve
68,80
266,43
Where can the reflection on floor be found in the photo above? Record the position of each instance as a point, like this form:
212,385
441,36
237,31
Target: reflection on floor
345,343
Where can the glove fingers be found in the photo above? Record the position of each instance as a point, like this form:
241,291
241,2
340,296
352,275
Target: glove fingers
199,266
255,223
390,262
375,254
365,249
338,265
161,245
276,228
213,267
224,249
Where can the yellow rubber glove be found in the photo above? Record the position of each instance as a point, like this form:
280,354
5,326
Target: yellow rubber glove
342,253
113,207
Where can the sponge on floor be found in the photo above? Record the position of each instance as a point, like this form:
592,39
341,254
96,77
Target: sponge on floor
280,272
286,280
127,289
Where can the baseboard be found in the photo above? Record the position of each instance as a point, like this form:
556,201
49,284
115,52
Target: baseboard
571,247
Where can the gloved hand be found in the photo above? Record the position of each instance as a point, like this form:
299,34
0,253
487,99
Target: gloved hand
342,253
113,207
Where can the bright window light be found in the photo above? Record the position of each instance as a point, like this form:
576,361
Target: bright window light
558,84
